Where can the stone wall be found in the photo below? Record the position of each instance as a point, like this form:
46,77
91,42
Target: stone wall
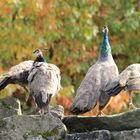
54,126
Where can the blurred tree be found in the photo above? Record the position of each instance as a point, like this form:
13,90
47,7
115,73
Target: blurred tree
72,32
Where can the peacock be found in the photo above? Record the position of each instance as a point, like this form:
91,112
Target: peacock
43,82
129,79
98,76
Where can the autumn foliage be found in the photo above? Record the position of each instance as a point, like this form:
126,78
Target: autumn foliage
71,30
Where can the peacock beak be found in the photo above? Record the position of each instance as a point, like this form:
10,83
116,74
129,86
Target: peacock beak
36,52
105,29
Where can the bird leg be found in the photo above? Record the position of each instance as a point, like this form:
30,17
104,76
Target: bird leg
41,111
25,88
48,116
100,113
31,102
131,105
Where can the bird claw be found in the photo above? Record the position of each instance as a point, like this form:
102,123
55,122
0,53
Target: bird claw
132,106
41,112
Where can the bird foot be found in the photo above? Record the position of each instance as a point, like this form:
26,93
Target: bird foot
132,106
99,114
41,112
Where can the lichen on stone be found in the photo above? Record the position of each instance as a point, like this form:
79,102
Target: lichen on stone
2,123
43,133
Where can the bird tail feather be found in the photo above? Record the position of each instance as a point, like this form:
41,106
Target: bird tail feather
80,106
39,100
115,90
4,82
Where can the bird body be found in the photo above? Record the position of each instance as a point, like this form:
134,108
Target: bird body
43,82
97,77
19,73
47,76
129,79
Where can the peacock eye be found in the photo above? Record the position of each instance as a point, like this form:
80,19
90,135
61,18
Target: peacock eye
36,51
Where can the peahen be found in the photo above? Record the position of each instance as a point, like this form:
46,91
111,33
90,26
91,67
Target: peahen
129,79
19,73
43,82
98,76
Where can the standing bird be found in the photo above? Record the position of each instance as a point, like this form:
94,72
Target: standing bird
91,89
43,81
18,74
129,79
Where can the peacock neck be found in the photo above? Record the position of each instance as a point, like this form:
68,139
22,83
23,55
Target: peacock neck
40,58
105,48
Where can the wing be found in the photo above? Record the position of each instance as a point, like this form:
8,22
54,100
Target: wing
119,83
20,72
17,74
89,91
133,82
5,81
109,73
32,74
57,73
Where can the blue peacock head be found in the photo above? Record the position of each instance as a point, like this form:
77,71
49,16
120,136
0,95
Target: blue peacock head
105,29
39,55
105,46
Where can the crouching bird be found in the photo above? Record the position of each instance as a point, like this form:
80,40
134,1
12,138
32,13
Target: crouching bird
43,81
129,79
98,76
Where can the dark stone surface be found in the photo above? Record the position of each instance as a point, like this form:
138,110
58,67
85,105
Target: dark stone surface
26,127
124,126
124,121
9,106
96,135
127,135
106,135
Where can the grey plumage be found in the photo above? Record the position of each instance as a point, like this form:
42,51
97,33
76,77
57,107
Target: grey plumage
98,76
16,75
129,79
44,82
19,73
